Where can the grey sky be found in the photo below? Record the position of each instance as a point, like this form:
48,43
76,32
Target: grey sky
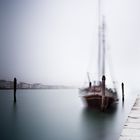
55,41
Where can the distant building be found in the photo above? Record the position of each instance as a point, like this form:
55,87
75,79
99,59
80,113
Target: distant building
23,85
37,85
6,84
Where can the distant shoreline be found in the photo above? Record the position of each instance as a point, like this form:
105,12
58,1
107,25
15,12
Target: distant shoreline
38,88
9,85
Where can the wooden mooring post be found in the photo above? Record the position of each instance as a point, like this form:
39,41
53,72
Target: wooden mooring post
15,88
103,93
123,92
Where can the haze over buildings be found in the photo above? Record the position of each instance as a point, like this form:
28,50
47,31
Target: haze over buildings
55,41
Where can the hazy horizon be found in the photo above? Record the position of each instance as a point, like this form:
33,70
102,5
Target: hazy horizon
55,41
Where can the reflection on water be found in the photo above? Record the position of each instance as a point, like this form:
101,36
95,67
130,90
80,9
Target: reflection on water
58,115
97,124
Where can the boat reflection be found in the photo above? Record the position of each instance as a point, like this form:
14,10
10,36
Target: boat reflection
100,122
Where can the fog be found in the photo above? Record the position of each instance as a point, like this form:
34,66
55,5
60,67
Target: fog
56,41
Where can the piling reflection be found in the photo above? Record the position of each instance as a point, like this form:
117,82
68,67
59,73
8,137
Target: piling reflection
14,120
14,108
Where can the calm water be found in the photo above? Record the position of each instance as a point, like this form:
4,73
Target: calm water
58,115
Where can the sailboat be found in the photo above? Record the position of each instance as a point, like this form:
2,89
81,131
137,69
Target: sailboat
97,95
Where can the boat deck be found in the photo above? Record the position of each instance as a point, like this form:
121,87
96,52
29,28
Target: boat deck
107,94
131,129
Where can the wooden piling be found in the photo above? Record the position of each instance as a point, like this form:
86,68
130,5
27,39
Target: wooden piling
90,84
123,92
103,93
15,87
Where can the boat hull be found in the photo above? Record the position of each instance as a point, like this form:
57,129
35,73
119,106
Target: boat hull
95,101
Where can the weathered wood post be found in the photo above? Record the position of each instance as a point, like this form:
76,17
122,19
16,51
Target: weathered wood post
123,92
15,87
103,93
90,84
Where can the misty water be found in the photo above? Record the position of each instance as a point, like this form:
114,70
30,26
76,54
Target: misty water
58,115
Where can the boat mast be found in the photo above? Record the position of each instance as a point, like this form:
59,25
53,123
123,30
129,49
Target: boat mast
103,47
99,40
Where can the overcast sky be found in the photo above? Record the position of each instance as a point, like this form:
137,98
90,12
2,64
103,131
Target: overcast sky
56,41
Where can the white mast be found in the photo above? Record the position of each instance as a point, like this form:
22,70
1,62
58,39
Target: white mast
103,47
99,40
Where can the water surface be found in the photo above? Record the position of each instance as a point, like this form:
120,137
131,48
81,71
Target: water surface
58,115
